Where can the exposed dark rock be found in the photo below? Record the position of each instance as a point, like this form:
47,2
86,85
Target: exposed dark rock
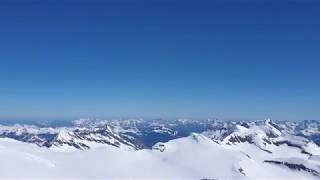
299,167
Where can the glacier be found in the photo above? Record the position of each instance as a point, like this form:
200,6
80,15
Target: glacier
223,150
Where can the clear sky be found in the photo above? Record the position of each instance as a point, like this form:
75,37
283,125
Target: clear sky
225,59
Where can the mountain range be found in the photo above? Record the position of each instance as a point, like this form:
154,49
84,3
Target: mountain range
171,149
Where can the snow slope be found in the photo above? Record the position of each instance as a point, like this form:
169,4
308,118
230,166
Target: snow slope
193,157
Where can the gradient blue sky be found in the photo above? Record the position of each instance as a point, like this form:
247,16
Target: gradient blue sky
244,60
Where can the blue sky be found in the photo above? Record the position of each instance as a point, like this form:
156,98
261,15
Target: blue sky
243,60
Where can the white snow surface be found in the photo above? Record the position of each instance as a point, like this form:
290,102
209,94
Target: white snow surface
193,157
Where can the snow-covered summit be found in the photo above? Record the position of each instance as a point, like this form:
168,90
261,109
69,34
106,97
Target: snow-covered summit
140,149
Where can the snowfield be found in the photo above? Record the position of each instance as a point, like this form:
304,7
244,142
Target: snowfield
138,149
193,157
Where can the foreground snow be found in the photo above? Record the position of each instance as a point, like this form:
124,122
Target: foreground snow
193,157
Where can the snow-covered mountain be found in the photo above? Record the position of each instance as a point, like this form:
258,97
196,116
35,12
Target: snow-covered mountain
140,134
86,138
183,148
